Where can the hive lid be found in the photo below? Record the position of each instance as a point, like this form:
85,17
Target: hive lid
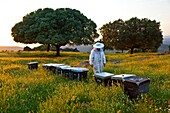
78,69
32,62
53,64
137,80
64,67
57,65
104,75
46,65
122,76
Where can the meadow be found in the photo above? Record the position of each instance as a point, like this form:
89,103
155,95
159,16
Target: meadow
40,91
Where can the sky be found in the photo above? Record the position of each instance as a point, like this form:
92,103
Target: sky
100,11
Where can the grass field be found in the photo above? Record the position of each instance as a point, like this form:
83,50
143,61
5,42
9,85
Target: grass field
40,91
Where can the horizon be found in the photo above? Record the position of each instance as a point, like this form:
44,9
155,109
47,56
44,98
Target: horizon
18,46
111,10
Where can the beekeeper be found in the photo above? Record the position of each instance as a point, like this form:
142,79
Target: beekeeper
97,58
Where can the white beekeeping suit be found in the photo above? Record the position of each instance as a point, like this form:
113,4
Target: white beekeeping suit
97,58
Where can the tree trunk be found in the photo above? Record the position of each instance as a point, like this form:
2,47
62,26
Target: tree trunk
48,47
122,50
131,50
57,50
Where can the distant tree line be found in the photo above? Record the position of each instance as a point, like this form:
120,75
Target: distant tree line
69,26
134,33
52,48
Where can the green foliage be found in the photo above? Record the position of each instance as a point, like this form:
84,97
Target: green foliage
37,91
134,33
57,27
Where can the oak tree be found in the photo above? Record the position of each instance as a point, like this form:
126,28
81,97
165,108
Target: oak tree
56,27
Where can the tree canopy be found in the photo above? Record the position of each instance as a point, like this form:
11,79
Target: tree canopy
133,33
57,27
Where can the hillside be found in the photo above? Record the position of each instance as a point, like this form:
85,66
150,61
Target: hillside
166,40
87,48
12,48
82,48
165,46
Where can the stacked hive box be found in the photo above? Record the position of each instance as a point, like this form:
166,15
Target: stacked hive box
132,85
103,78
74,73
33,65
52,67
135,86
47,67
121,78
77,73
65,70
56,68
